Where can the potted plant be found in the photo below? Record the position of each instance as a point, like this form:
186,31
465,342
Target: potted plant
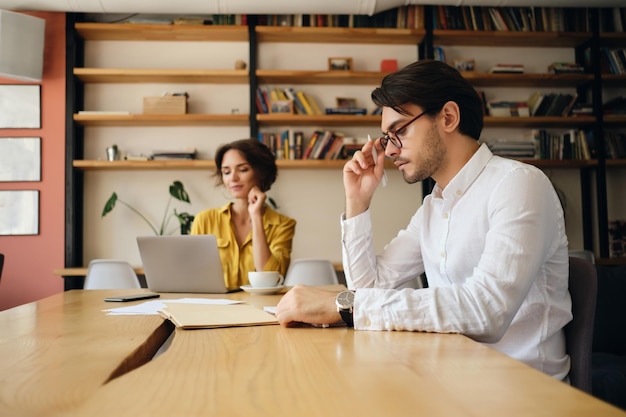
177,191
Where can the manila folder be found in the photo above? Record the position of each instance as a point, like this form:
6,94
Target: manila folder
206,316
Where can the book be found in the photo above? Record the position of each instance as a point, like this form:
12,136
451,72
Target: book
210,316
508,108
104,112
346,110
313,103
507,69
307,107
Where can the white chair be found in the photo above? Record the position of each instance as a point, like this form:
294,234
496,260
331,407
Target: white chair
311,272
104,274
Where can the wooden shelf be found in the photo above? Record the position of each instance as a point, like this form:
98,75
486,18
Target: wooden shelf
509,38
611,261
90,120
320,77
562,163
339,35
614,120
315,164
135,75
527,80
616,162
142,32
539,122
324,120
613,39
197,164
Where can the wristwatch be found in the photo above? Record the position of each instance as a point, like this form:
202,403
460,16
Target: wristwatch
345,305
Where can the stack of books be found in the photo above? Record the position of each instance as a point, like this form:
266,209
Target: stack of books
346,110
513,148
508,108
507,69
565,68
185,153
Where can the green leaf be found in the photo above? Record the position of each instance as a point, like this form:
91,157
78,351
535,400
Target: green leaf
177,190
110,204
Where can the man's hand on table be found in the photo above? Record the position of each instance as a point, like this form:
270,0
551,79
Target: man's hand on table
307,305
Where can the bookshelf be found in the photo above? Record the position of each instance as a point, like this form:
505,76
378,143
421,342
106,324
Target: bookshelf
610,170
454,30
423,39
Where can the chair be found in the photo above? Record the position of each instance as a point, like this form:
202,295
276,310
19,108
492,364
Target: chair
583,288
105,274
311,272
609,336
584,254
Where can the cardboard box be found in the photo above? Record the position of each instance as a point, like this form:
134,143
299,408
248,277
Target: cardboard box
165,105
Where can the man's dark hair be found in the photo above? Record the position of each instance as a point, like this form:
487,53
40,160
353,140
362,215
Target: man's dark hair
431,84
259,156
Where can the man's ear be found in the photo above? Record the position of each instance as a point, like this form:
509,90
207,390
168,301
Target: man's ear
451,116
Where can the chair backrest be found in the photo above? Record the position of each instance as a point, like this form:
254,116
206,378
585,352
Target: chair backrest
583,288
105,274
582,253
311,272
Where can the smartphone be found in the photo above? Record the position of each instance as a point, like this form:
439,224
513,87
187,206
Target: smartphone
134,297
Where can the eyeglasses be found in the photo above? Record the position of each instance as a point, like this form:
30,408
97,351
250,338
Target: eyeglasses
394,137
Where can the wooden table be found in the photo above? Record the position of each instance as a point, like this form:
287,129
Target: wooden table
62,356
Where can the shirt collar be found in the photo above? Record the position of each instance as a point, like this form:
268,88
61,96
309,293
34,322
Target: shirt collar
466,176
269,217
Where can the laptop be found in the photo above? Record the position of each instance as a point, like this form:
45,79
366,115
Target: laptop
182,263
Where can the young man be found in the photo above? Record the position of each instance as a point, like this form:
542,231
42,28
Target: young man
490,237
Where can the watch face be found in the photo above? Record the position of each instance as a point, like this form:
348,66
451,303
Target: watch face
345,299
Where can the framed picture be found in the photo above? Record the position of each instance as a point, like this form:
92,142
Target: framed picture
339,64
281,106
20,159
19,212
464,65
20,106
346,102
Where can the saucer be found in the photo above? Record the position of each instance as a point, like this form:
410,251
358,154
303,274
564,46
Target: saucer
262,290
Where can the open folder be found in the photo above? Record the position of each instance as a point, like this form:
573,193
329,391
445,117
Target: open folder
207,316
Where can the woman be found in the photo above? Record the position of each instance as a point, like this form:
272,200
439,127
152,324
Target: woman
250,235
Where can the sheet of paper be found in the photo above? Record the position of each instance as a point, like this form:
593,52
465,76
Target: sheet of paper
153,307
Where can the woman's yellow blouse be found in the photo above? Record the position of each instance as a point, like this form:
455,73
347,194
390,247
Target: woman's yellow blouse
237,261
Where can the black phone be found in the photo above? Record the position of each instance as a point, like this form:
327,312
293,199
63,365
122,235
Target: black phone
134,297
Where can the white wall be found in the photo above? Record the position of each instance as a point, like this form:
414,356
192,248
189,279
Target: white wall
313,197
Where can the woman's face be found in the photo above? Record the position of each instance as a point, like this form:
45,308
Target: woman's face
237,174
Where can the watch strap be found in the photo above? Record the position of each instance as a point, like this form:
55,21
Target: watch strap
347,316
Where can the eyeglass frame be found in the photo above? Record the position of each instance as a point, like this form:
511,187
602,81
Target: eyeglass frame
386,138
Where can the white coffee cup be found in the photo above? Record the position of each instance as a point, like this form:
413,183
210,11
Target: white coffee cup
265,279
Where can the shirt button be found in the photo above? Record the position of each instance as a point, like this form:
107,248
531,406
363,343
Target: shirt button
458,192
445,215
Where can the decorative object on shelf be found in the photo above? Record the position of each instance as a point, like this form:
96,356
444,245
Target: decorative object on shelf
340,64
389,65
240,64
281,106
346,102
113,153
170,103
465,65
177,191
